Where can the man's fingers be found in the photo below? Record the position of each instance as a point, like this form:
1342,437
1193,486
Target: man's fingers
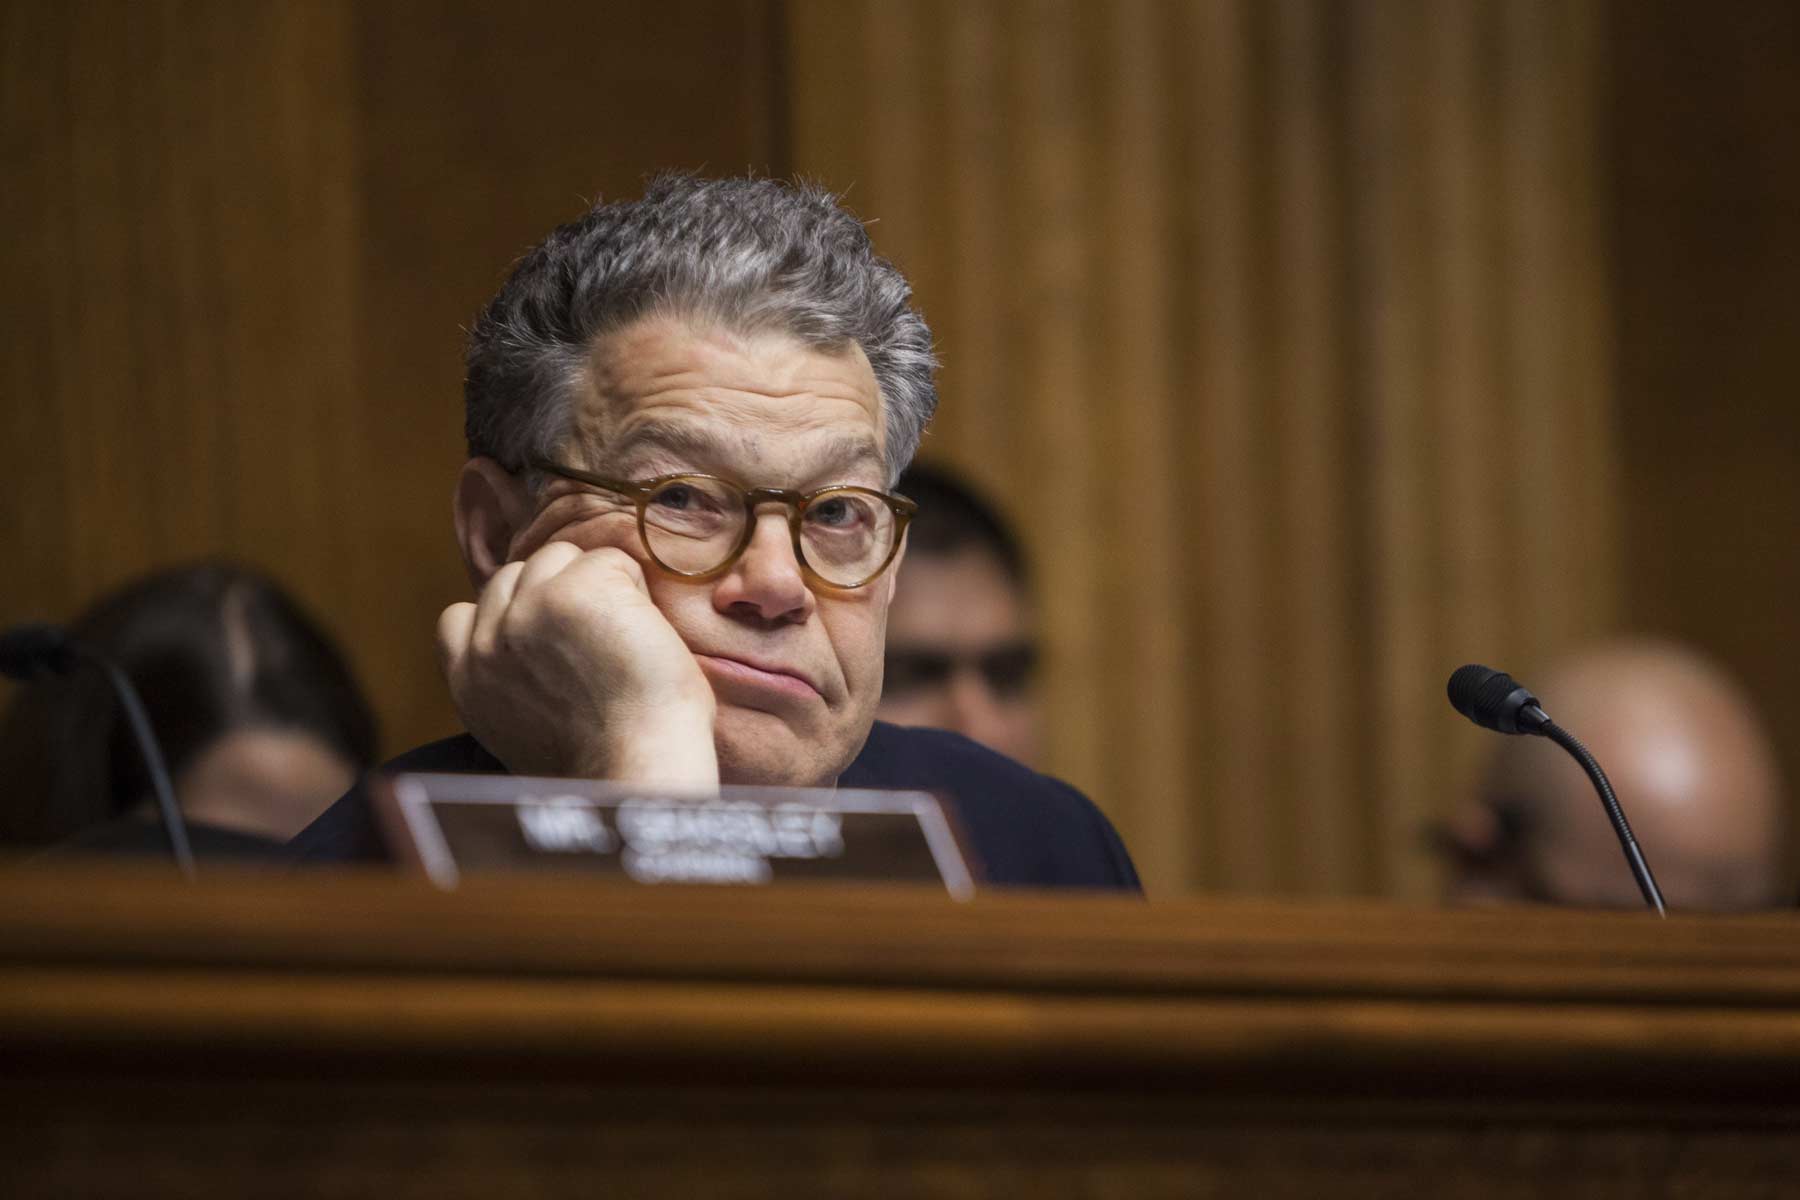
521,593
515,582
491,607
603,567
547,561
455,626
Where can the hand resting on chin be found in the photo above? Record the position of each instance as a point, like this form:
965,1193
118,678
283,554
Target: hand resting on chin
563,666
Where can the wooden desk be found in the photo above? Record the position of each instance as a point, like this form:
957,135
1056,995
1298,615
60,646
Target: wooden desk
362,1035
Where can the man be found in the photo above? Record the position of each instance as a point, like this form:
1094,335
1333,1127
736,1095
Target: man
683,415
960,649
1693,770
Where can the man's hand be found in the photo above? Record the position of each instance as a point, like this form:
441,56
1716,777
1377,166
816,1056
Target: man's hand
563,666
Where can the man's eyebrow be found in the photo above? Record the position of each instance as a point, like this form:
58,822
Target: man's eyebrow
697,445
677,438
844,453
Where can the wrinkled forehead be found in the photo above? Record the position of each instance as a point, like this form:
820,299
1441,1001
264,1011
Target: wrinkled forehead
676,395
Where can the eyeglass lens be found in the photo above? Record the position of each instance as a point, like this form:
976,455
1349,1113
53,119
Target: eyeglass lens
1007,670
694,525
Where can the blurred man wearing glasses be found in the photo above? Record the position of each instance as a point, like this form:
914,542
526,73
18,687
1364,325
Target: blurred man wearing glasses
685,415
961,651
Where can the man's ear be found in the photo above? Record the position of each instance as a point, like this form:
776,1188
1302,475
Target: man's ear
491,505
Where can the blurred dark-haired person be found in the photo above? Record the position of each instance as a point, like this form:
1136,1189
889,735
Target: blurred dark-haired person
1693,769
962,652
260,719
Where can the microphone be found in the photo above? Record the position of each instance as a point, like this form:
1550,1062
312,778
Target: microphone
1494,700
37,651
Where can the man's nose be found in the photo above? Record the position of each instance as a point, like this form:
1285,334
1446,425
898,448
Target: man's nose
766,580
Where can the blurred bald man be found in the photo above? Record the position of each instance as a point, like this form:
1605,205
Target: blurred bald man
1693,769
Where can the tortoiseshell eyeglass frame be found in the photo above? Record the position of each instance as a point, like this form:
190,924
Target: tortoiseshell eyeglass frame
639,491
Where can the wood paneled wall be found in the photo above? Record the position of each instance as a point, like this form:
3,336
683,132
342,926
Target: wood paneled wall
240,242
1308,338
1704,105
179,222
1283,328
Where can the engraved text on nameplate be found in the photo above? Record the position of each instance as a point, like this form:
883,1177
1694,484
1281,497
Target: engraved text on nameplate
452,824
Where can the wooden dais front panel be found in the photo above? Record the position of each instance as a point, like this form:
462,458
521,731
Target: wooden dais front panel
366,1035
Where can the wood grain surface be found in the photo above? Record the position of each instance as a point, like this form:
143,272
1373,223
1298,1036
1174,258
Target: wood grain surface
1320,346
369,1035
241,241
1281,328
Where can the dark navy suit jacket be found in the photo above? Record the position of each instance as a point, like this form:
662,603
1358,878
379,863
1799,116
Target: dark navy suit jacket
1025,829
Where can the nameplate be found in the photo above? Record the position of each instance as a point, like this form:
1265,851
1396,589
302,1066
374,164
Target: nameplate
450,825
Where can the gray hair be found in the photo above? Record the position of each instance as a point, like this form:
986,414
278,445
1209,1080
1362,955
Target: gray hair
752,255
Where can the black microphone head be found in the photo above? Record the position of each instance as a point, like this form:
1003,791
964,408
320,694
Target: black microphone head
1491,699
35,650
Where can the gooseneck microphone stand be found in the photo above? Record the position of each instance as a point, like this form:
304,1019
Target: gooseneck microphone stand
1493,700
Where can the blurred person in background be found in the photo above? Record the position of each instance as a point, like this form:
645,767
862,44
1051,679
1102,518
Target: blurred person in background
962,653
258,715
1694,772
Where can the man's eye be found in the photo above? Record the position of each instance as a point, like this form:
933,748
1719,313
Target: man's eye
908,671
1009,670
693,507
838,512
689,498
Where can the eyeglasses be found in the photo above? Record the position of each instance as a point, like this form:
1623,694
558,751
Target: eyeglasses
697,526
1007,670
